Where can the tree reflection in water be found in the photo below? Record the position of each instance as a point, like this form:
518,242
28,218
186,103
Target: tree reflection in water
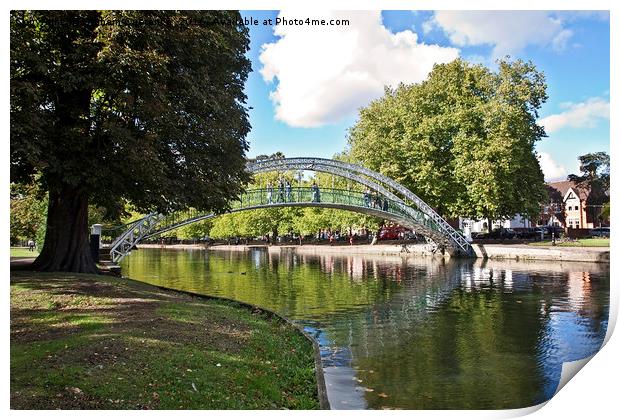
413,333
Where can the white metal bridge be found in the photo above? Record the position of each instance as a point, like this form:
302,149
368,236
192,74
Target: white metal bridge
389,200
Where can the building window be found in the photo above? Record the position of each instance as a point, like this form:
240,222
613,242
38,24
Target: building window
576,207
576,225
570,208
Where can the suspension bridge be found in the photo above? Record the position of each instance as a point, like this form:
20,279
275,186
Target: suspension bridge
389,200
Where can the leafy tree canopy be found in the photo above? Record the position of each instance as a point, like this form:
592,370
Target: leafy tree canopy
594,169
115,106
463,139
595,177
28,213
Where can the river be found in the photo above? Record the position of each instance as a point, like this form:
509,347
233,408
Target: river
412,333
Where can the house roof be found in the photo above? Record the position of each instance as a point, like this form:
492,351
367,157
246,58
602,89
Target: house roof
563,186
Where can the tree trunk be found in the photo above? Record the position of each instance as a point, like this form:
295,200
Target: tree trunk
66,246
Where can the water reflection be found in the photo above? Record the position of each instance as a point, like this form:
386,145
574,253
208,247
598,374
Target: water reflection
413,333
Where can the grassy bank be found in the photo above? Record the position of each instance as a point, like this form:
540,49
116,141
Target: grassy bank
97,342
598,242
23,252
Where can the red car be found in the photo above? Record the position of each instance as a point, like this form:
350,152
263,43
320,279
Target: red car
391,232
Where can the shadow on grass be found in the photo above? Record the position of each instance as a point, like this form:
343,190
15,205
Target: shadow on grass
86,341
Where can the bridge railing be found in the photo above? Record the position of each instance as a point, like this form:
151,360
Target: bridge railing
265,197
371,179
375,204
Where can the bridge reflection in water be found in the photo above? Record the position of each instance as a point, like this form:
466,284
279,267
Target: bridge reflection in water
413,332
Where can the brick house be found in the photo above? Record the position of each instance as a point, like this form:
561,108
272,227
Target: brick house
568,207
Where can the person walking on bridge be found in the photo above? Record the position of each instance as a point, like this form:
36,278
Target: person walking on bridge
269,193
316,193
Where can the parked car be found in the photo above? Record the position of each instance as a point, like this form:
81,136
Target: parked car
600,231
528,233
392,232
540,231
555,230
476,235
499,233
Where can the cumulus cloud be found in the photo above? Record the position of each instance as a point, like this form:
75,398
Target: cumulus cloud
507,31
551,169
323,74
578,115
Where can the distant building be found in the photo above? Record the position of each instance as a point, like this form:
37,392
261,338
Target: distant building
569,206
475,226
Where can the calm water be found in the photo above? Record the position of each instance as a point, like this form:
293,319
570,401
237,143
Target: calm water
413,333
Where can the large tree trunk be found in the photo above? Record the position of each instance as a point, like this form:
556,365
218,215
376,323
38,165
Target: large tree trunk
66,246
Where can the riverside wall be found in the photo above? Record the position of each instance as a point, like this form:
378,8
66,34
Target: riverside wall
482,251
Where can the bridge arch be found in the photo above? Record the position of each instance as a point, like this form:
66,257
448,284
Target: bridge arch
401,205
375,180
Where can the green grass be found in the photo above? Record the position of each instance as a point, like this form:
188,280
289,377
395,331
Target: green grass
598,242
23,252
96,342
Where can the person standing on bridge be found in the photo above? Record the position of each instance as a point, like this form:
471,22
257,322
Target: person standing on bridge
367,197
269,193
316,193
280,191
289,191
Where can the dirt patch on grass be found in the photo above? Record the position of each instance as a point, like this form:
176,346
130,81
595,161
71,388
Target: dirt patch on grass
62,304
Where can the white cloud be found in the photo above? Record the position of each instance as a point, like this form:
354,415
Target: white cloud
326,73
507,31
561,39
583,114
551,169
573,15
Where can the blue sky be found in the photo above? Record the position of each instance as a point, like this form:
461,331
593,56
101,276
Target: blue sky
307,82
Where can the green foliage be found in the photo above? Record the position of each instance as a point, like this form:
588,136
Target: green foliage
279,221
28,213
196,230
594,167
606,212
110,107
146,106
463,140
254,223
595,176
